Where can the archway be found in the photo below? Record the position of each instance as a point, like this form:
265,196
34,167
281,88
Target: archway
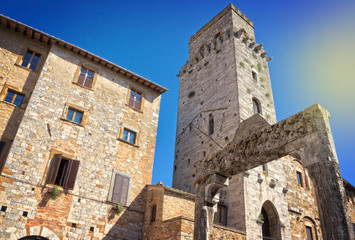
271,222
33,238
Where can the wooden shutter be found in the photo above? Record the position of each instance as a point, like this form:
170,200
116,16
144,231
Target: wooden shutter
72,172
53,168
120,189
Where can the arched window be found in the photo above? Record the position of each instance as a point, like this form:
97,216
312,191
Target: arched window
310,229
271,222
256,106
210,125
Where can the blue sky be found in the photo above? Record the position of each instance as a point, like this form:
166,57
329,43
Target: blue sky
311,43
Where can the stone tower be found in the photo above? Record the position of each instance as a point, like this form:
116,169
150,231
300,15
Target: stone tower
225,81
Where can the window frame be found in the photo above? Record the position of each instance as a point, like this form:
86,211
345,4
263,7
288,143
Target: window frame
257,108
219,215
78,73
17,91
131,130
129,99
70,174
14,98
112,183
299,178
254,75
76,109
20,59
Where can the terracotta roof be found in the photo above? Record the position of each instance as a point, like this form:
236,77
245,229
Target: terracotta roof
50,40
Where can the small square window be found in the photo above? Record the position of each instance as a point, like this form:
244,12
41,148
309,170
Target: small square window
73,225
30,60
92,229
3,208
135,99
129,136
255,76
86,77
14,97
25,214
74,115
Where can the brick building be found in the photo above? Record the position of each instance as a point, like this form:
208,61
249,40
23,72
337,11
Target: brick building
75,122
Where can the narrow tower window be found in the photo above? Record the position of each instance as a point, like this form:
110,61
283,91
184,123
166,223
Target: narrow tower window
256,106
210,125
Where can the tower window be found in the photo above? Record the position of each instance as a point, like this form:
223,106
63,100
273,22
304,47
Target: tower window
153,213
14,98
220,217
256,106
254,75
86,77
299,179
210,125
135,99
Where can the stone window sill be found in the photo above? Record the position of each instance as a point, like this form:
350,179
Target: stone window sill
82,86
135,109
134,145
13,105
25,68
66,120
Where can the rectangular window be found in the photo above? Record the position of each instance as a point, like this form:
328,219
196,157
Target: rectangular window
153,213
2,147
255,76
14,97
120,188
309,233
74,115
299,178
129,136
265,168
220,217
63,171
135,99
86,77
31,59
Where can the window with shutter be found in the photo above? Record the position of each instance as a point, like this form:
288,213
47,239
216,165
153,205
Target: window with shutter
63,171
120,188
220,217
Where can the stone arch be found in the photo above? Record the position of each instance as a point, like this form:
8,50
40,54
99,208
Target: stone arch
271,221
35,232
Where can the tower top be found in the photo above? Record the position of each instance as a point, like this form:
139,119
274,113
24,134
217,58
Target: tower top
229,8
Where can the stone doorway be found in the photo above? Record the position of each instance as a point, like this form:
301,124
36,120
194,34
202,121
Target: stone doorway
271,222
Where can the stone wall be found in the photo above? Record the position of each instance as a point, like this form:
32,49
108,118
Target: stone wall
43,131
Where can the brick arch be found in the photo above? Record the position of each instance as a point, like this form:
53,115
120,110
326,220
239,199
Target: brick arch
309,222
35,231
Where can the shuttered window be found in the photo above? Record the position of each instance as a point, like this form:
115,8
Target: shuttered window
220,217
62,172
120,188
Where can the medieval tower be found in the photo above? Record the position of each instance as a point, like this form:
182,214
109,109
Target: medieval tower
226,81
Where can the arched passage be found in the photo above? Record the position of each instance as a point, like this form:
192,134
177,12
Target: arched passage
271,225
33,238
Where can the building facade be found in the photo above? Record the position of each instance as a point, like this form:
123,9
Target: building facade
76,126
77,140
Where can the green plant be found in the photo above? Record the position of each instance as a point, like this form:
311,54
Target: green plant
242,64
248,90
218,51
259,67
246,60
55,192
191,94
268,116
299,185
252,66
265,172
119,208
190,71
268,105
265,66
206,63
261,217
263,85
262,79
254,55
267,94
